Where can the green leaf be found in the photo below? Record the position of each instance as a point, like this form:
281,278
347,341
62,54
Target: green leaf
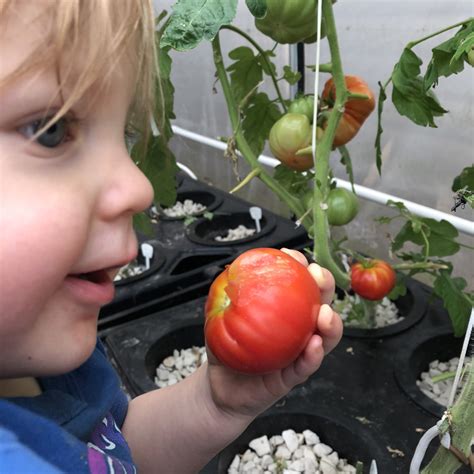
438,234
378,141
470,200
397,205
346,161
290,76
466,45
163,113
448,57
258,8
405,234
455,301
245,73
268,66
160,168
409,95
465,179
293,181
193,21
398,290
260,116
142,224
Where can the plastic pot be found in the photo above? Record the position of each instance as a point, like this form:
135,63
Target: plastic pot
205,231
439,344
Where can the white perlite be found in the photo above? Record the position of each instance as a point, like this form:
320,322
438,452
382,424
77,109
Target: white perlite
386,312
129,270
184,209
240,232
440,391
290,453
180,365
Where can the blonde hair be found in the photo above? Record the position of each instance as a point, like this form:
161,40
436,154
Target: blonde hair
102,32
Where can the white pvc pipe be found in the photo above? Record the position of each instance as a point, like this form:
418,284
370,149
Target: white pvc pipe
462,225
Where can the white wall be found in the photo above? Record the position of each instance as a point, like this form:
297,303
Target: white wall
419,163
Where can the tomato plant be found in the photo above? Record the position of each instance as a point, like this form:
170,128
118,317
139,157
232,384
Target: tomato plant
372,279
355,110
261,311
343,206
291,133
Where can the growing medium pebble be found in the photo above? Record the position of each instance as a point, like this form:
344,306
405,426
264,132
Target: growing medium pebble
440,391
184,209
289,453
129,270
240,232
386,312
179,365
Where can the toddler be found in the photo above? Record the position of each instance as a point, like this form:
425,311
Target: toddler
73,75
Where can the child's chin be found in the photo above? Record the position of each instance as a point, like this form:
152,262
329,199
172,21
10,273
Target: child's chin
71,358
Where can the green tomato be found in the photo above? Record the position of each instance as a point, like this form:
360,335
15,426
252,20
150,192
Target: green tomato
303,105
289,134
470,57
343,206
289,21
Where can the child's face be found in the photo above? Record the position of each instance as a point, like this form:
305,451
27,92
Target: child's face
67,201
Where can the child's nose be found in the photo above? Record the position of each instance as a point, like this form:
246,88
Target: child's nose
129,190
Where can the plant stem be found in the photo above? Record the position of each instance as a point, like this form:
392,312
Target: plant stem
321,250
411,44
420,266
353,95
462,433
327,67
294,204
255,172
263,54
369,310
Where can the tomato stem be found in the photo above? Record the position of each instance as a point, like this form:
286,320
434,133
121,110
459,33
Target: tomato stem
420,266
370,313
411,44
294,204
321,232
353,95
254,173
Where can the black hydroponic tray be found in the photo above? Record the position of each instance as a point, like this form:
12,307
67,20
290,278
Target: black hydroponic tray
187,257
366,386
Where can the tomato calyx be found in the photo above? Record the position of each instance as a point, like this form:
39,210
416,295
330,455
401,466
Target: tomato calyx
367,263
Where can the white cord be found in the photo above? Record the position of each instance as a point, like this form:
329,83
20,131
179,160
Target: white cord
316,77
421,448
461,359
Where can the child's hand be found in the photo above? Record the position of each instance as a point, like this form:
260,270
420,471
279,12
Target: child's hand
249,395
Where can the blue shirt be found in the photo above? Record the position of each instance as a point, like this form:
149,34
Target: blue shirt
73,426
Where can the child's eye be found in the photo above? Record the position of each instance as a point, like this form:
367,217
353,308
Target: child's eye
56,134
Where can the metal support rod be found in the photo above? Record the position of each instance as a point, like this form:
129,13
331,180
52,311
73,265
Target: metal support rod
301,67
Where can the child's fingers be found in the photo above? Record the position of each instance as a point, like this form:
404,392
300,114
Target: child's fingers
306,364
325,281
296,255
329,327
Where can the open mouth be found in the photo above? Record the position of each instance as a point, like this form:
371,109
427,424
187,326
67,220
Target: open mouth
92,287
98,276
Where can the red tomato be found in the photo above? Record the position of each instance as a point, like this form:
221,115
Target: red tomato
373,279
355,110
261,311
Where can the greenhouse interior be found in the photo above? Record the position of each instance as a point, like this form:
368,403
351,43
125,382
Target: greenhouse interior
244,238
